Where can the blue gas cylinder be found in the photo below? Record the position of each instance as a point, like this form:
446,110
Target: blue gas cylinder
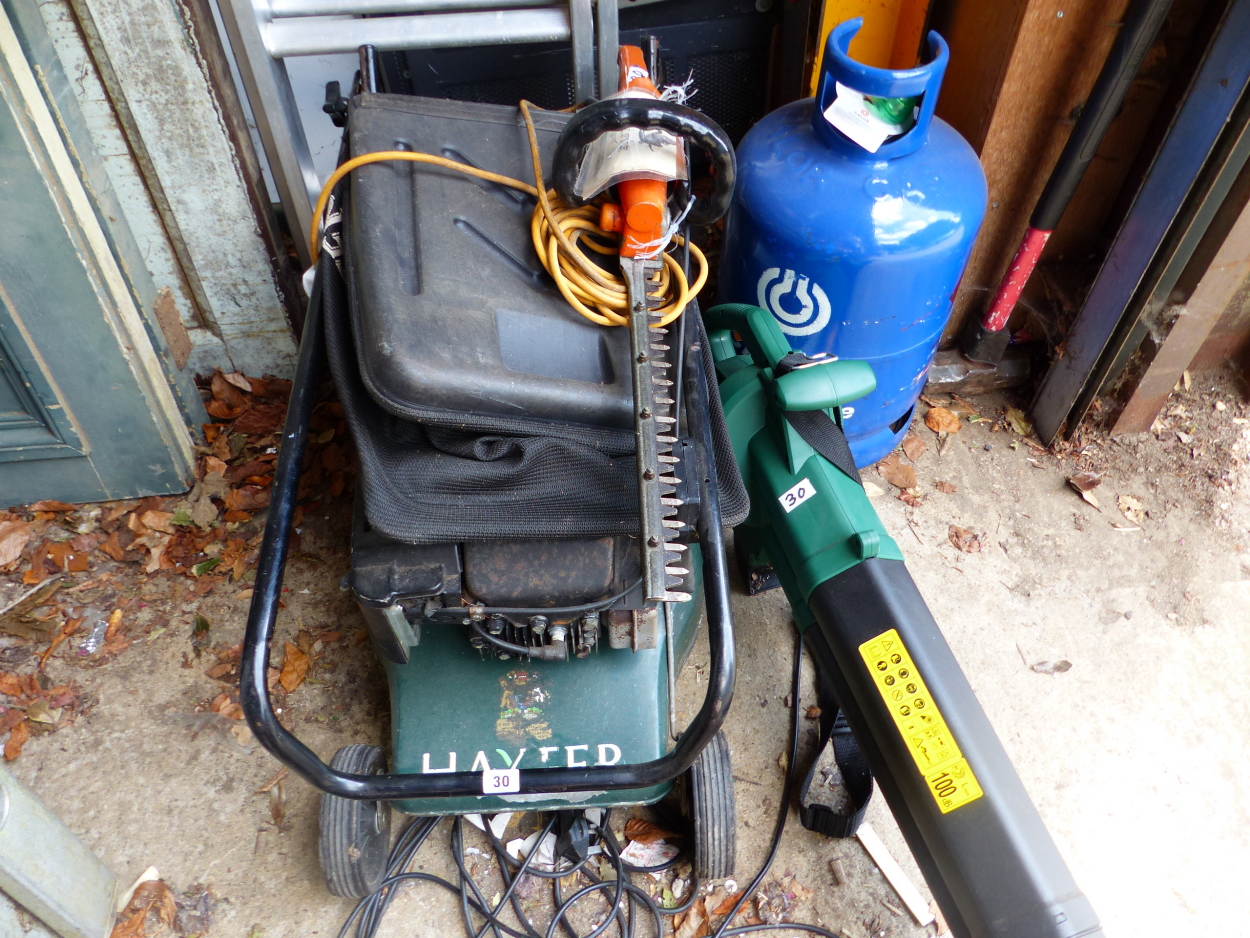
857,254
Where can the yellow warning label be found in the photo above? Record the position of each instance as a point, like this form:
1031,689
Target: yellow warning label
950,778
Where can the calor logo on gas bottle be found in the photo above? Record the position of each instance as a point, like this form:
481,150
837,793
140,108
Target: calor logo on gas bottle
800,305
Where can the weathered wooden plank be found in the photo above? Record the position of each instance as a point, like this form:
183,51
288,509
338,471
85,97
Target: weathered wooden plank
1226,275
155,70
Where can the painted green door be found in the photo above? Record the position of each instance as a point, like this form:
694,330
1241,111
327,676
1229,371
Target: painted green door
88,409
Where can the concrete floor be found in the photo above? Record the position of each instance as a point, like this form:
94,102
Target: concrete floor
1134,756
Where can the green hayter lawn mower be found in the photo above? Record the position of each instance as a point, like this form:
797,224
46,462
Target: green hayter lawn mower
538,526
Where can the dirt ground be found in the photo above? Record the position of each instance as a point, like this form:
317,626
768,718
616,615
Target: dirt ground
1107,643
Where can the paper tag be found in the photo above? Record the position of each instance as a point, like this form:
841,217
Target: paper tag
850,114
797,495
500,781
653,854
632,153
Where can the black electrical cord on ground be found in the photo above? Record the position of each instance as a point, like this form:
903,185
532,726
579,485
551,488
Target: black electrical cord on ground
369,910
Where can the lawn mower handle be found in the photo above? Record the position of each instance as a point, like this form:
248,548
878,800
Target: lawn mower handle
253,682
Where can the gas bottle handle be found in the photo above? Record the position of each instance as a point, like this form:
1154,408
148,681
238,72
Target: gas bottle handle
923,81
619,113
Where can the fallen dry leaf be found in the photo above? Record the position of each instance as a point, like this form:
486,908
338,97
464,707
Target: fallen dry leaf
158,521
913,446
1131,508
239,381
36,573
695,920
277,805
727,905
872,490
910,497
66,558
40,712
964,540
1018,421
813,713
68,629
14,536
1085,481
294,668
282,773
87,542
132,926
947,488
158,550
114,626
261,418
51,504
893,470
232,711
247,498
155,895
113,547
17,739
941,420
228,401
645,832
150,896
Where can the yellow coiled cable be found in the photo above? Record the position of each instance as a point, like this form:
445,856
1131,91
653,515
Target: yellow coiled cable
561,236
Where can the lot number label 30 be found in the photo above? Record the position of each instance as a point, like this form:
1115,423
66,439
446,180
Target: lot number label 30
797,495
500,781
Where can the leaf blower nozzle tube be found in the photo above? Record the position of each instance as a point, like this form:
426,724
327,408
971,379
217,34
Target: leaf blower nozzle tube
978,839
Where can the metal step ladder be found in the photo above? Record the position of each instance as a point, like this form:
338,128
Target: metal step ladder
264,33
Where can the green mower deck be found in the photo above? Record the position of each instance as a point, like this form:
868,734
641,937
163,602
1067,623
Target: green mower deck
451,710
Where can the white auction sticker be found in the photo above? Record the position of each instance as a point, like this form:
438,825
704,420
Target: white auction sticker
500,781
797,495
851,114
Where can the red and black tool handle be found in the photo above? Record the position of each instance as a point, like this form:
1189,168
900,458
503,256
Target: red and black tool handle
986,339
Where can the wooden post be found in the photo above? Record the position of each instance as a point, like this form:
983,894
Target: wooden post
1222,280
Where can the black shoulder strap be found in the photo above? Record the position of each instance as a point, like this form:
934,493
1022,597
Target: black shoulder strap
818,430
856,777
